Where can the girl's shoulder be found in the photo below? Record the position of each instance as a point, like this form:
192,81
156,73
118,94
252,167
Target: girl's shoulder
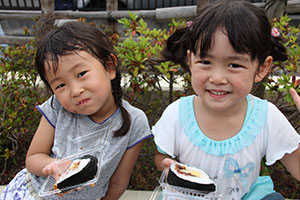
51,105
263,106
175,106
132,110
51,109
139,128
172,115
137,116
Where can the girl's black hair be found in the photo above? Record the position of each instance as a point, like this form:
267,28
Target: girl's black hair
74,36
247,27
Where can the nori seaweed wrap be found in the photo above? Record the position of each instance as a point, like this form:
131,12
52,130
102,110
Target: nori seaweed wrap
190,177
79,171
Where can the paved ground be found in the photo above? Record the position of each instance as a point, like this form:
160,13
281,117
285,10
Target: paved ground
128,195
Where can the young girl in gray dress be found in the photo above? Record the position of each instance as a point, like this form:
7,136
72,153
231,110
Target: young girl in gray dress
78,64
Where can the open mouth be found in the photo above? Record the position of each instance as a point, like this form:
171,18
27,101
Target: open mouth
82,102
218,92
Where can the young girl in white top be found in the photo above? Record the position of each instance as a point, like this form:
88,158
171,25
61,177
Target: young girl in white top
223,129
78,64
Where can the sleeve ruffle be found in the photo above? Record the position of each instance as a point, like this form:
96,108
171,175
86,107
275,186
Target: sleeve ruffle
165,130
282,138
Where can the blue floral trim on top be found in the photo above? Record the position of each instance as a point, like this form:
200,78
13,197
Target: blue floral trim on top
251,127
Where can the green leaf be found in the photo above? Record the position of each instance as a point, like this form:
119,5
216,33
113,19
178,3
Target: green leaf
135,72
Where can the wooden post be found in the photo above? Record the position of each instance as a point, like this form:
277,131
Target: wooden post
275,8
201,4
47,8
46,22
111,5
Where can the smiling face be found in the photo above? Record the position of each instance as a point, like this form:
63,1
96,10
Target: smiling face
223,78
82,85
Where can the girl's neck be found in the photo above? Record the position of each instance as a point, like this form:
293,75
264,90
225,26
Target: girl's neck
220,124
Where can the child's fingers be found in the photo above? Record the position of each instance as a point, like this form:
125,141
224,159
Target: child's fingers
60,195
59,167
167,162
69,191
47,170
295,97
52,169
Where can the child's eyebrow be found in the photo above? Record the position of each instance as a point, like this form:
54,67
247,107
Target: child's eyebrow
239,58
242,58
51,82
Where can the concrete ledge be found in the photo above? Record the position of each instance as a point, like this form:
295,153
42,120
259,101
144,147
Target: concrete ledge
15,39
136,195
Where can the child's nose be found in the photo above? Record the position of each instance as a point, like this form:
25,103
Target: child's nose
76,90
218,77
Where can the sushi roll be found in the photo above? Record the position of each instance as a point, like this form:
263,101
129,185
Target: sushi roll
185,176
79,171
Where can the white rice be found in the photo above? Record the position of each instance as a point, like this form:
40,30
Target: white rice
71,171
202,179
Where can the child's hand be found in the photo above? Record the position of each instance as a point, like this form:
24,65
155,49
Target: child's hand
295,97
167,162
56,168
62,194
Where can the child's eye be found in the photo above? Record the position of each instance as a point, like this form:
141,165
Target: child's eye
81,74
204,62
235,66
60,86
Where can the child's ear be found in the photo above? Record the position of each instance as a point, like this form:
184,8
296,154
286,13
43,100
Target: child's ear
188,53
111,65
263,69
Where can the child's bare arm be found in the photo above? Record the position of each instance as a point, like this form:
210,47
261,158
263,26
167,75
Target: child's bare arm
296,97
120,179
292,163
40,148
162,161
